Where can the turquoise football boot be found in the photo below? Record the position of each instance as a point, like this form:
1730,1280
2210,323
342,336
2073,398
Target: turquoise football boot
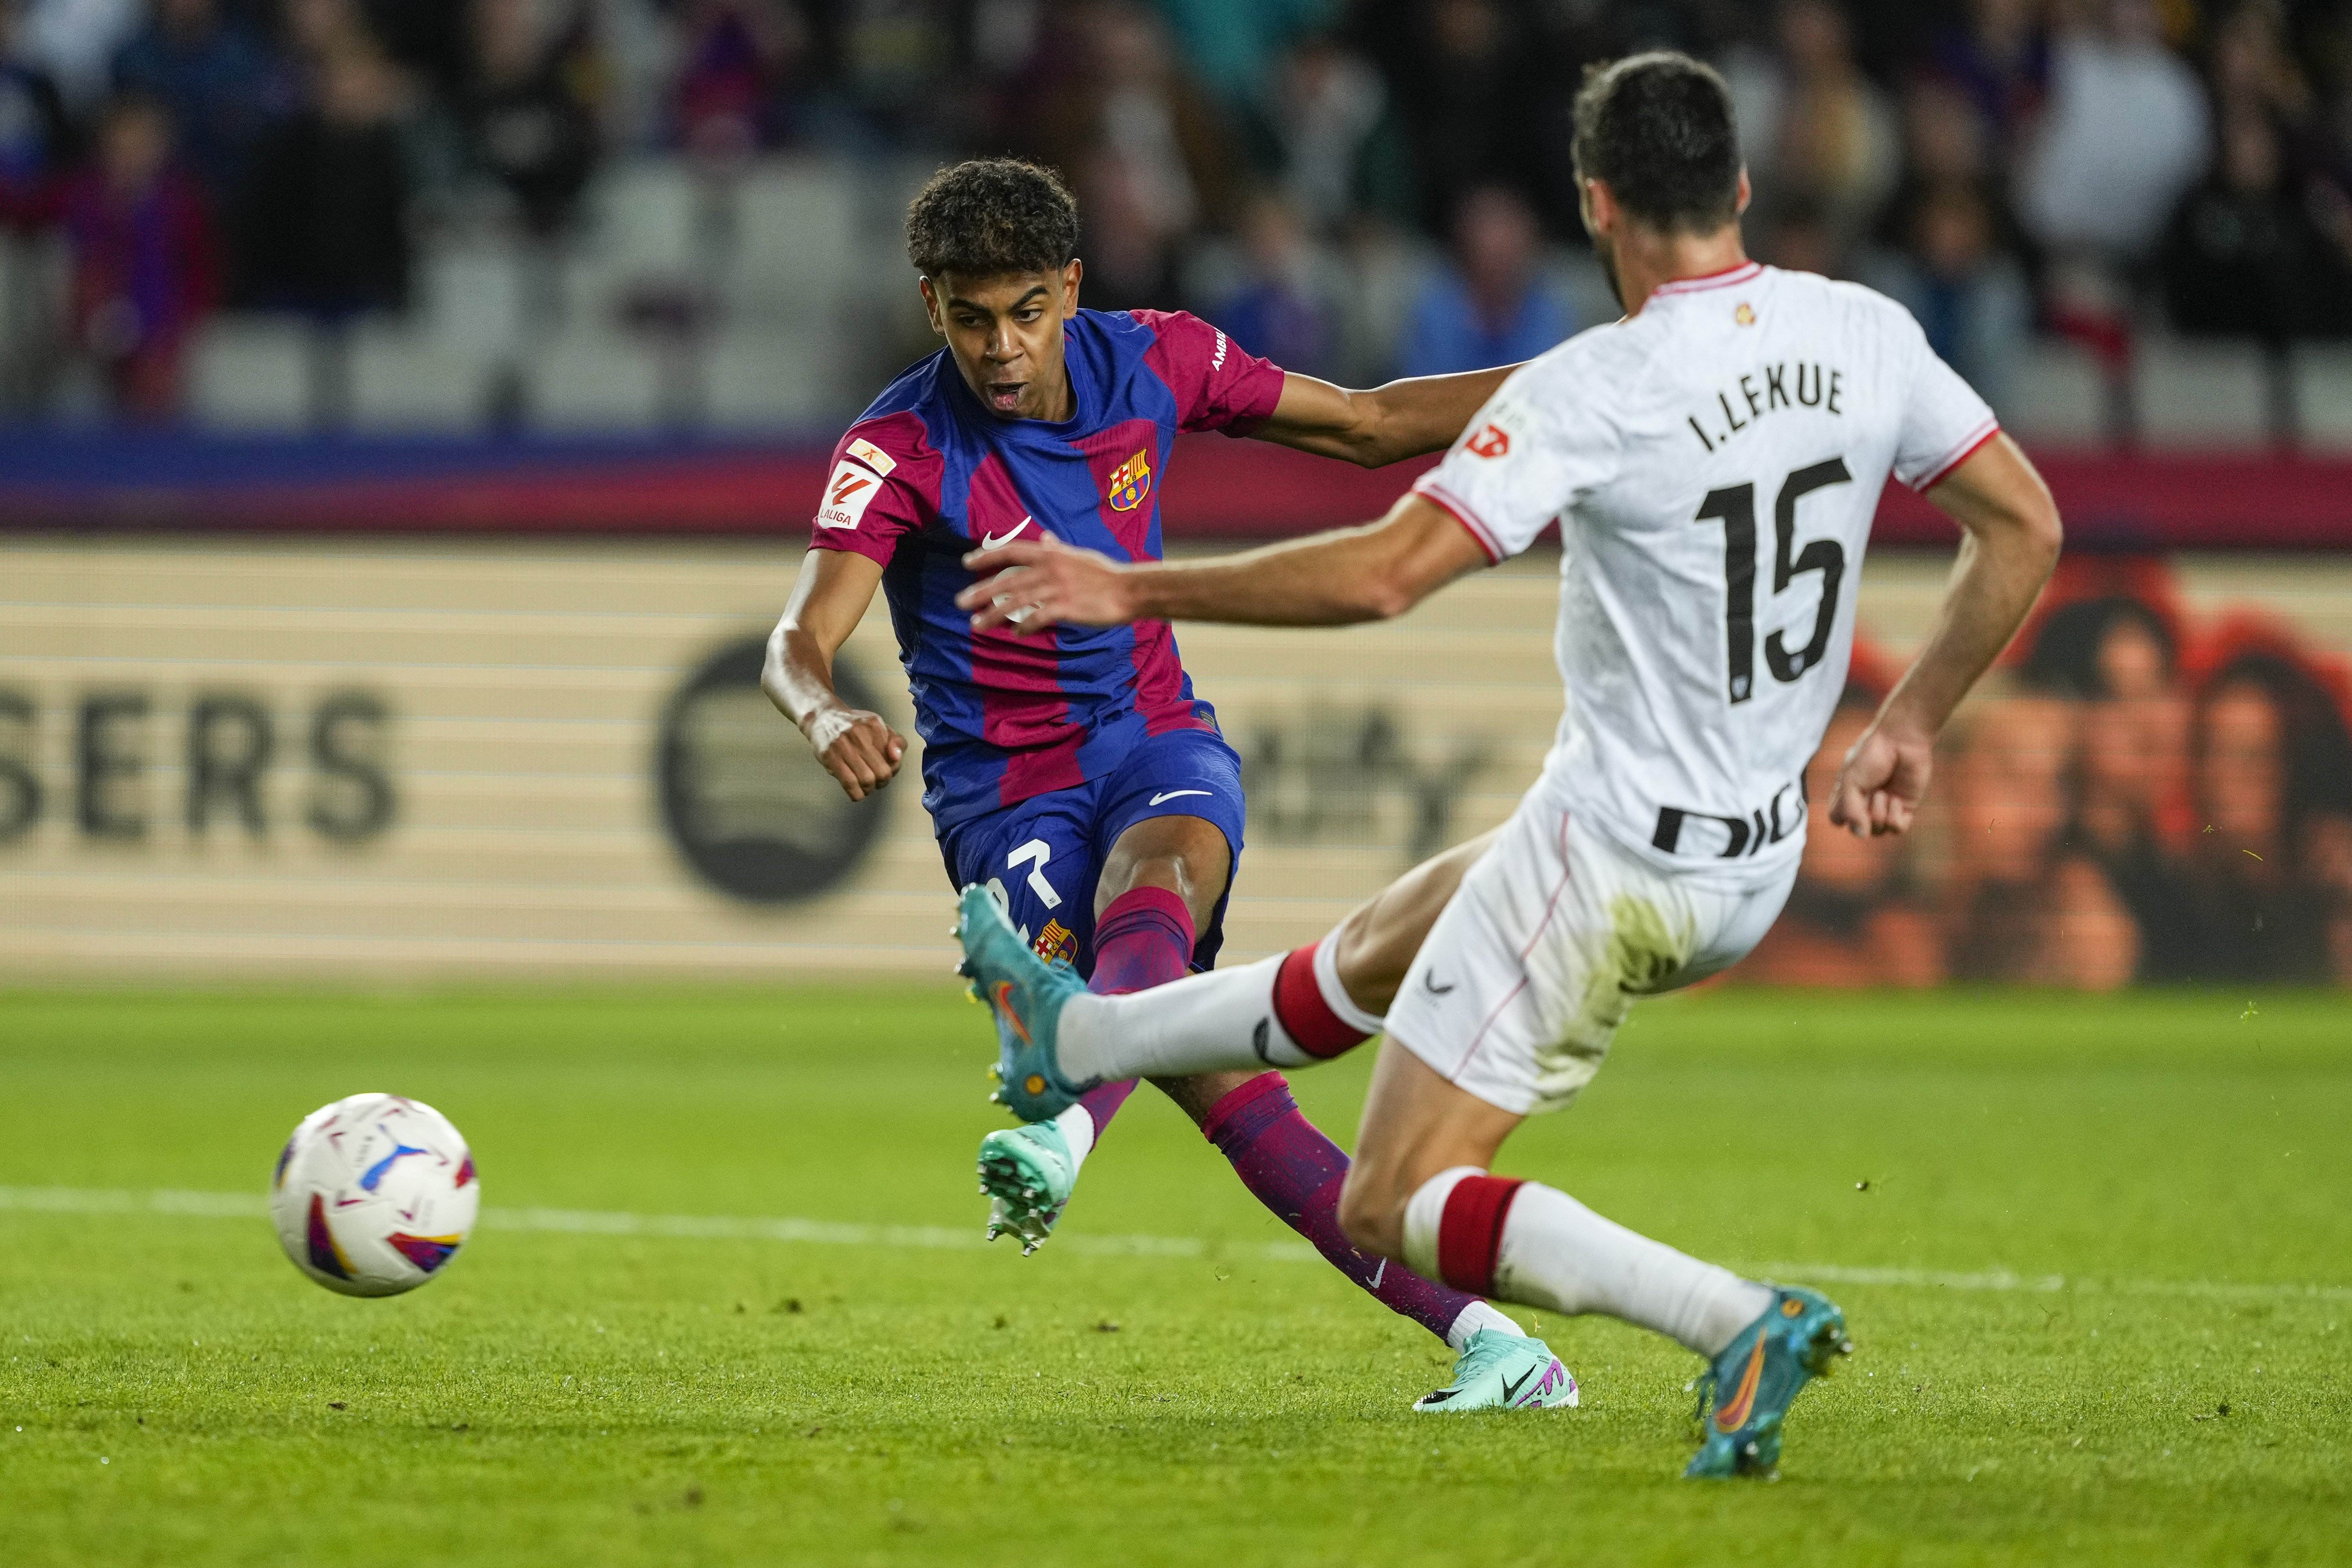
1746,1392
1500,1371
1027,1173
1027,995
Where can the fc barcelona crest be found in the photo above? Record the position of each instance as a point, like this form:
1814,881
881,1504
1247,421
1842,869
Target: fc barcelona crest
1131,483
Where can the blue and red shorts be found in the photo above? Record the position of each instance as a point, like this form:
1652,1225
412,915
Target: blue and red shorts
1043,854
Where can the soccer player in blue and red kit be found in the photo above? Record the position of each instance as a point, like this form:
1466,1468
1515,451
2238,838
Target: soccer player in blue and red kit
1078,777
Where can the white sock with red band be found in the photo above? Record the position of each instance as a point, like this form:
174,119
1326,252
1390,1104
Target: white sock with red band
1346,1017
1525,1242
1278,1012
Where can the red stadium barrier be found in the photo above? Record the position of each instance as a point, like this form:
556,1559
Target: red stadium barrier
1221,489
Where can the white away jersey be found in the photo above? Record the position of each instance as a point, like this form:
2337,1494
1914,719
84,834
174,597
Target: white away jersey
1714,463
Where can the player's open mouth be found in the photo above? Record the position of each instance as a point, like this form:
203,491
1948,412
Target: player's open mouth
1004,397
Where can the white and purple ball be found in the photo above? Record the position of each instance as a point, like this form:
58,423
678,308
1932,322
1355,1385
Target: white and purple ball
373,1195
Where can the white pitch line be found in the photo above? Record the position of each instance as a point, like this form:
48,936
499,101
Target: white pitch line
936,1237
699,1226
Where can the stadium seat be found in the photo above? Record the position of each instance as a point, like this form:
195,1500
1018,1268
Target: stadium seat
250,372
406,377
2055,395
591,377
2203,392
797,247
2324,390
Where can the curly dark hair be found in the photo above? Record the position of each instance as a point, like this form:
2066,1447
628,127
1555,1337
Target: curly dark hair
989,216
1657,127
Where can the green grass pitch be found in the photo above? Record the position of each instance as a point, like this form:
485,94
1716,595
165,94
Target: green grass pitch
172,1392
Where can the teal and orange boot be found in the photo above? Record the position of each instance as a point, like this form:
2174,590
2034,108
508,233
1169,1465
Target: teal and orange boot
1027,996
1744,1396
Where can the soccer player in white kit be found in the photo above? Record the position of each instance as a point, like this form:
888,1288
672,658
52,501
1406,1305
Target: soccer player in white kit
1714,460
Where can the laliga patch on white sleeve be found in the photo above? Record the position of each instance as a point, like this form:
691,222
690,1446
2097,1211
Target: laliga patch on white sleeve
846,496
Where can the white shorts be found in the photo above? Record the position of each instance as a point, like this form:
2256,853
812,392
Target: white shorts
1522,983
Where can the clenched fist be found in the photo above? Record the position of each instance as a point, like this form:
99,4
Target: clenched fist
858,749
1882,782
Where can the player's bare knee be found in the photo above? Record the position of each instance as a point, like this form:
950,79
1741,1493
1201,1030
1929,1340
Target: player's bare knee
1188,856
1199,1094
1369,973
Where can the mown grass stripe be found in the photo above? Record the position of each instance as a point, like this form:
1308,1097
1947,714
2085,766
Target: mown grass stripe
938,1237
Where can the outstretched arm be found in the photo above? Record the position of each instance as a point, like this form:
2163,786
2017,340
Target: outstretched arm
2011,536
829,598
1333,579
1402,419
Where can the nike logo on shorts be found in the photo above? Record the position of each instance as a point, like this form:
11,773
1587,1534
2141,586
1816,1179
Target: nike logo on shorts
1172,794
1430,980
991,541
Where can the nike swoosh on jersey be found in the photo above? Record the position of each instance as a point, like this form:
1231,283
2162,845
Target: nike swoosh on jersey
1172,794
991,541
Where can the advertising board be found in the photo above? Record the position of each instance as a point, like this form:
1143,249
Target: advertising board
291,759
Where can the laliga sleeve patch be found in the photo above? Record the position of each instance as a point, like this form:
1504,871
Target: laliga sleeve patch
846,496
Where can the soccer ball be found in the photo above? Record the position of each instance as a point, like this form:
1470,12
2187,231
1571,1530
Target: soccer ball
373,1195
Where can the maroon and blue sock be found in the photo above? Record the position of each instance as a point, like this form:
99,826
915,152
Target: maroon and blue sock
1143,939
1297,1172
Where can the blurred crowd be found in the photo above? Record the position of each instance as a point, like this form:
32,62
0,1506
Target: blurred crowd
2147,800
1358,187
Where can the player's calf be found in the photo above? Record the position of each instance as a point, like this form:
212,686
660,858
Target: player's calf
1521,1241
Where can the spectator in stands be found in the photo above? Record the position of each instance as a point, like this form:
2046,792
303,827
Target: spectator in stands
527,127
2254,67
145,269
735,56
1850,921
2123,134
2242,257
2272,770
1492,305
75,42
36,150
2021,903
37,140
1230,46
1947,247
1797,234
1813,127
1285,307
1144,145
429,39
1335,146
1971,296
312,31
1464,91
1997,58
221,83
327,227
895,68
